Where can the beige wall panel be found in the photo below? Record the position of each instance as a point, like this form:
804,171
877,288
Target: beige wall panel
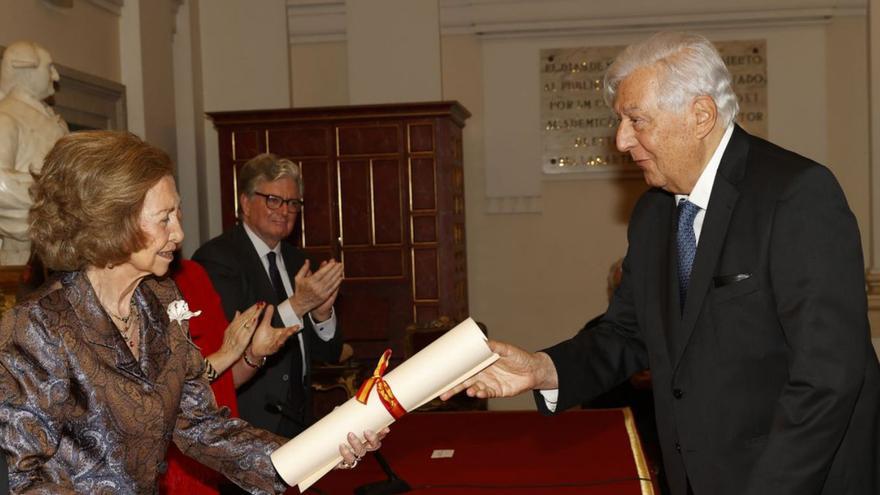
158,74
84,37
319,74
244,54
393,51
244,65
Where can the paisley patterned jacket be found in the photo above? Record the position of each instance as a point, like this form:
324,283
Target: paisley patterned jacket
79,414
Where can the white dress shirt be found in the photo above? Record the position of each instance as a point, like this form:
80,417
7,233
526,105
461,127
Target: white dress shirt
325,329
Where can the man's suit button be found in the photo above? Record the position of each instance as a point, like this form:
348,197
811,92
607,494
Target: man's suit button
677,446
285,377
677,393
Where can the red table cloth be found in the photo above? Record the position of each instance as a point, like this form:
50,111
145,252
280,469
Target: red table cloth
593,452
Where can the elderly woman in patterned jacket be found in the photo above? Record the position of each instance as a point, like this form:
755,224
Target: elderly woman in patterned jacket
97,370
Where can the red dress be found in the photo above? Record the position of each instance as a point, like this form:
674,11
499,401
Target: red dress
186,475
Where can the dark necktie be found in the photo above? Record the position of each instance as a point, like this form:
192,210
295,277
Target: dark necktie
296,394
275,278
687,245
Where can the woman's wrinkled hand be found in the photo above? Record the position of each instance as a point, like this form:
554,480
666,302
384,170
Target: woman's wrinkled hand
356,448
267,340
239,332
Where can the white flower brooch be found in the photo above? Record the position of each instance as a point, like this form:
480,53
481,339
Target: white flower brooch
179,311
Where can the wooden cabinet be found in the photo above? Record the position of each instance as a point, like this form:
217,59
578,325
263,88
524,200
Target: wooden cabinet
384,193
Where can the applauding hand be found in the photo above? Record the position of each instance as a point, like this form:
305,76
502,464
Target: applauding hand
268,339
315,290
239,331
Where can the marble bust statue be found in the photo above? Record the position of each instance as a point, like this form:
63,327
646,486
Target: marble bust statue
28,130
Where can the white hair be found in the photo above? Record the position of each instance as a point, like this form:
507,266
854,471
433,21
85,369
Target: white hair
690,66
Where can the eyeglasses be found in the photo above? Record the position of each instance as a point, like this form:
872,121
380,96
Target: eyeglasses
274,202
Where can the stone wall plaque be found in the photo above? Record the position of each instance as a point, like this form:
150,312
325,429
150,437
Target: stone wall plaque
578,127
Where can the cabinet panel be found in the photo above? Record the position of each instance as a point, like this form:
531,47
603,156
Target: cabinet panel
355,202
246,144
425,274
374,315
422,182
421,138
368,140
387,202
294,142
424,229
317,214
372,263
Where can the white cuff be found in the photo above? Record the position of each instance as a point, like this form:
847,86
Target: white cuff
551,397
288,315
326,330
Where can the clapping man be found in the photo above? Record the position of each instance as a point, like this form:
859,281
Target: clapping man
252,262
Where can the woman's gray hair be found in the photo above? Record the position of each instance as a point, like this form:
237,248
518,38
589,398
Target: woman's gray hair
690,65
267,168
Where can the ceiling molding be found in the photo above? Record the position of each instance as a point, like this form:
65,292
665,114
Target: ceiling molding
628,24
318,21
112,6
315,21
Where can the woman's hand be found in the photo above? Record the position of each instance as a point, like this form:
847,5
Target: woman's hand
357,448
239,332
268,339
235,340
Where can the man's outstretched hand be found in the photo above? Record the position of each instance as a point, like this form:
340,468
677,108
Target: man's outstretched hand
517,371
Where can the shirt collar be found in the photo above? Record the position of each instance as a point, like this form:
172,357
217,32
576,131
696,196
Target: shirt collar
262,248
703,188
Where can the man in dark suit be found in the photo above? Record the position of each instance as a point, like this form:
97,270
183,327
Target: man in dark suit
251,263
743,290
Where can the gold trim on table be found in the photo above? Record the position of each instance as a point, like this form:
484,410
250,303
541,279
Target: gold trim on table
635,444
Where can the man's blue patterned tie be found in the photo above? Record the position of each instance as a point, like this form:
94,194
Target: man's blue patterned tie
687,245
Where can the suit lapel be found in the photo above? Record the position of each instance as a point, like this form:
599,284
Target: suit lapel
721,204
253,265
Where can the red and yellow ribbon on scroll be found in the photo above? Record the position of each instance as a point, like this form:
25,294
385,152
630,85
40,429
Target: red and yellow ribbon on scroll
386,396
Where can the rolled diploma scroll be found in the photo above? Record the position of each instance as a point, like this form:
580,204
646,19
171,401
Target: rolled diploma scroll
451,359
